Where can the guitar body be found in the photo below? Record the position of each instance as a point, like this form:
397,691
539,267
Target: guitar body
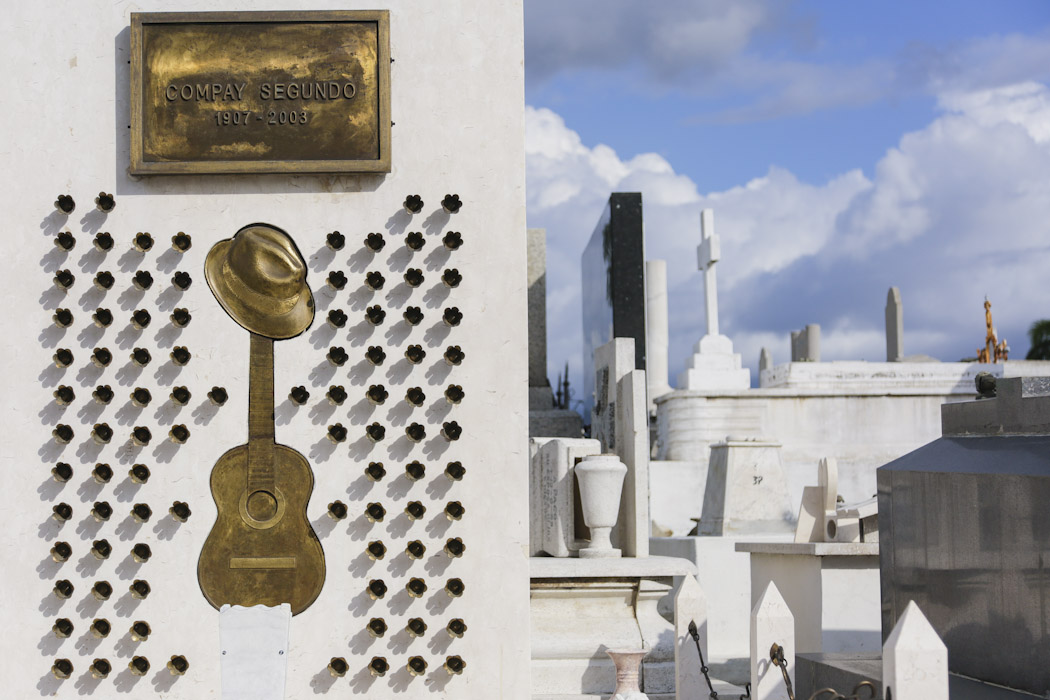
261,549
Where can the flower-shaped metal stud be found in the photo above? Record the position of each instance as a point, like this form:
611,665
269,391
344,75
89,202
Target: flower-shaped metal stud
103,242
180,395
102,473
375,432
102,590
375,315
374,280
103,280
105,203
415,510
61,551
62,472
65,241
63,668
336,395
179,434
454,587
139,665
416,627
417,665
139,473
101,433
338,667
141,512
452,316
413,204
181,242
336,280
62,434
180,318
178,665
337,318
451,203
375,471
65,204
62,512
377,627
454,665
413,277
454,510
101,511
102,317
337,510
64,395
141,435
378,666
64,279
376,589
63,358
180,511
416,432
454,393
218,395
180,355
454,547
415,549
100,668
375,242
335,240
413,315
63,588
375,512
181,280
63,628
451,278
141,553
375,355
415,241
451,430
142,280
101,549
143,242
140,319
415,396
416,587
337,433
299,395
455,471
337,356
415,354
376,550
140,589
452,240
377,394
415,471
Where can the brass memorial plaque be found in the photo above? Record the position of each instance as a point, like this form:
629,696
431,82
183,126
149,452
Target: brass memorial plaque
260,92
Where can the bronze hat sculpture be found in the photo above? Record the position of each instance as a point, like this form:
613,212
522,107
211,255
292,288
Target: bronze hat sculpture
259,278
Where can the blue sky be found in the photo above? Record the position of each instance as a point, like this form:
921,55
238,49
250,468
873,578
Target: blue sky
844,146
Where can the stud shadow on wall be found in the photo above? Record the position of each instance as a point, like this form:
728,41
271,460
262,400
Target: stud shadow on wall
436,221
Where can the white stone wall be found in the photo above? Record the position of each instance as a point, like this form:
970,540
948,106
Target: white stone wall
457,101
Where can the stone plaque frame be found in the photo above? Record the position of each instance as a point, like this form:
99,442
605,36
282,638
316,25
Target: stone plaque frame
310,154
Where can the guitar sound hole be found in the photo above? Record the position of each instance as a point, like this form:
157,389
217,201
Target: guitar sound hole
261,505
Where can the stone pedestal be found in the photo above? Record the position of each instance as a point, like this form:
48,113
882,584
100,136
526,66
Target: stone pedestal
714,366
746,491
582,607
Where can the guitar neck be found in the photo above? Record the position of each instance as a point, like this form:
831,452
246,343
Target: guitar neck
260,413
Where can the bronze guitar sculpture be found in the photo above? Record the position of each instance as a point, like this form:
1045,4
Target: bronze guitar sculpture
261,549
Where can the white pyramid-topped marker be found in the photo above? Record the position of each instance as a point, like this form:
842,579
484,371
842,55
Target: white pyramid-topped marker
914,659
771,621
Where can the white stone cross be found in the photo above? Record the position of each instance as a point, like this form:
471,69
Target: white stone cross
707,254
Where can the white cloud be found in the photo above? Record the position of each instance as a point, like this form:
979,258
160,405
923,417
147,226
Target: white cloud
955,211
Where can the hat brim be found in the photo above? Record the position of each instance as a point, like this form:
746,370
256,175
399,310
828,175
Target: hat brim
277,326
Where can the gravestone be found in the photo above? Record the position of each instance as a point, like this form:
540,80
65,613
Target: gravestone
713,365
613,279
805,344
657,333
620,422
894,326
746,490
544,419
553,516
454,468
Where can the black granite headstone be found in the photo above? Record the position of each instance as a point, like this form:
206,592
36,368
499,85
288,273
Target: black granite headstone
613,278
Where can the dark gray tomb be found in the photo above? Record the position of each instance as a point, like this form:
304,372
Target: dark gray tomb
613,278
965,533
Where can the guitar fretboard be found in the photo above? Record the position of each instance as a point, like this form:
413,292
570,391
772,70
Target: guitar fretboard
260,414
